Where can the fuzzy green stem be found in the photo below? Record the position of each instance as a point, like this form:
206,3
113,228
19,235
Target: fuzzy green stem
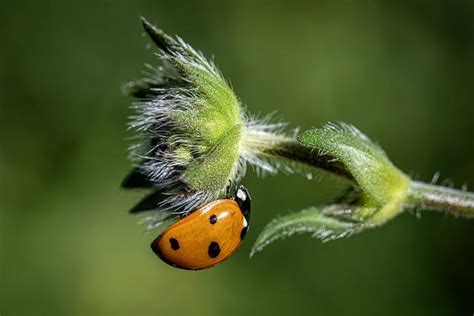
288,148
437,198
291,149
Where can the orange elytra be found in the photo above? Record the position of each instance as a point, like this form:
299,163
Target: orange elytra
207,236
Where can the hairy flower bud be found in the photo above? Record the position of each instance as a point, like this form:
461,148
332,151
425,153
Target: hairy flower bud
193,138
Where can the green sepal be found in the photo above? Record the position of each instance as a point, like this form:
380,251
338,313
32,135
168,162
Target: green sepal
382,185
214,169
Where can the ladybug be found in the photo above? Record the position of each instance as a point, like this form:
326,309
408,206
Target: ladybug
207,236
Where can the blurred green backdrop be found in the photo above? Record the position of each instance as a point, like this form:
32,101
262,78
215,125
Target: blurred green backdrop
401,72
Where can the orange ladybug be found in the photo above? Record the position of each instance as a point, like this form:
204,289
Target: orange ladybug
207,236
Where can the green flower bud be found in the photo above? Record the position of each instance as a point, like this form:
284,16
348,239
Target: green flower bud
193,138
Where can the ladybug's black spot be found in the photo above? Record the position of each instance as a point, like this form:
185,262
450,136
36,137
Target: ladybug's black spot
213,219
243,232
214,250
174,244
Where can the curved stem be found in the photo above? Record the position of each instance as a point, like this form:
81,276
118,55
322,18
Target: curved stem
291,149
442,199
280,146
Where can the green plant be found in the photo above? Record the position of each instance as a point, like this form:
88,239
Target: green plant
194,140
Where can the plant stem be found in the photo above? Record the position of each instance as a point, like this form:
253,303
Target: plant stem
291,149
288,148
437,198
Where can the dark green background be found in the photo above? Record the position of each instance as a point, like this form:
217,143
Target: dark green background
401,72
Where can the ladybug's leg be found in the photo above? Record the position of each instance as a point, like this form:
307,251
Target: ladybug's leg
227,190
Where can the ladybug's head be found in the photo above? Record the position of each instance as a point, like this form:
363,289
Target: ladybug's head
242,197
